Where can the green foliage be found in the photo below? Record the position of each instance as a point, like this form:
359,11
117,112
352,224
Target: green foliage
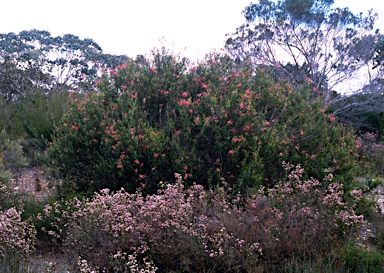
11,153
33,120
5,173
380,240
34,59
358,259
147,121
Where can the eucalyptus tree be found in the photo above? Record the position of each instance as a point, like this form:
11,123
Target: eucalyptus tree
36,70
36,60
306,40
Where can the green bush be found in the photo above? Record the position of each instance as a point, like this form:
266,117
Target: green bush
146,121
12,159
33,118
358,259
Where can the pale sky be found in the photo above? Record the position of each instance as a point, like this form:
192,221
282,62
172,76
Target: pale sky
134,27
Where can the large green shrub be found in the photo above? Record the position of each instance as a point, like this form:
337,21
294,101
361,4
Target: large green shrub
217,119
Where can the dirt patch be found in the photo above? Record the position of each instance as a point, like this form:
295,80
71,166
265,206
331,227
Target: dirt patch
32,181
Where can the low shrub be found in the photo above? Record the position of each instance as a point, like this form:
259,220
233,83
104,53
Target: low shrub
197,230
11,154
17,237
358,259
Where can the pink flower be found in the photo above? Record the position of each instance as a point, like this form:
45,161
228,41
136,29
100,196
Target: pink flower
119,67
236,139
113,73
187,175
231,152
184,102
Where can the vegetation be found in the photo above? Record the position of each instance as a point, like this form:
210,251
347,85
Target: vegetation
193,230
239,163
207,122
313,41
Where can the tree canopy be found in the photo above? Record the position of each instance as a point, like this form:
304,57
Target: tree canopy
34,59
307,40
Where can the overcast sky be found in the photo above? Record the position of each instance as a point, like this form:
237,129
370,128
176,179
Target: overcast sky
134,27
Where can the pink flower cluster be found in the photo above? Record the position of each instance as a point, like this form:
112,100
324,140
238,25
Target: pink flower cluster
204,226
17,237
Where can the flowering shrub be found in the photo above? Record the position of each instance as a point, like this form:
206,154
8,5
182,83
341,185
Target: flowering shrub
217,119
122,263
196,230
17,237
310,211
